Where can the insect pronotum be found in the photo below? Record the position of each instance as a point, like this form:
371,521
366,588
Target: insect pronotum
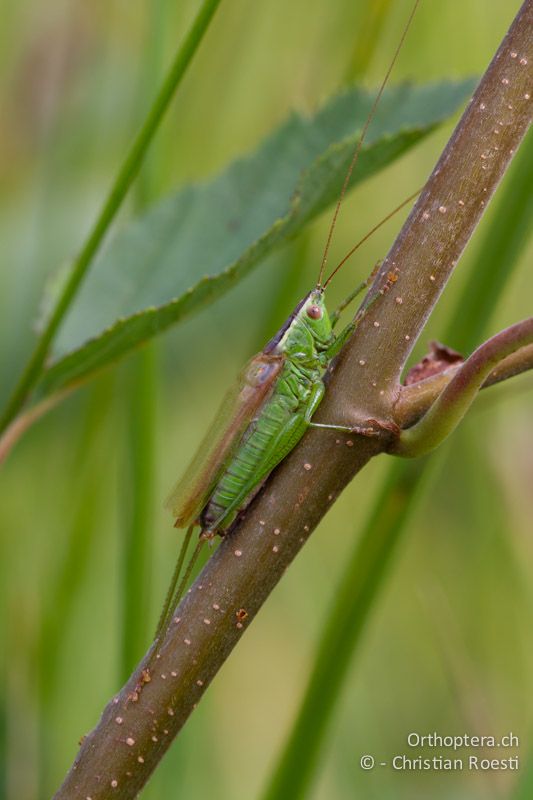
269,408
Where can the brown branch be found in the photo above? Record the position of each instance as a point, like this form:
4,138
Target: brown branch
138,725
450,206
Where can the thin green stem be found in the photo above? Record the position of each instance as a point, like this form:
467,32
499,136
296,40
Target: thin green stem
119,189
459,394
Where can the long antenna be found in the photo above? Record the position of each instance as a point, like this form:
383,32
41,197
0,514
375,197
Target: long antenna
350,253
360,142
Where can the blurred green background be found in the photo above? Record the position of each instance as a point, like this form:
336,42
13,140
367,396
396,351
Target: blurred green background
449,646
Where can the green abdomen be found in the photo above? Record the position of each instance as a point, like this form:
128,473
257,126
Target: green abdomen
266,442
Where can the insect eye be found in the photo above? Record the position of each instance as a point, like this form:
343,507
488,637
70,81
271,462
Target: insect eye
314,312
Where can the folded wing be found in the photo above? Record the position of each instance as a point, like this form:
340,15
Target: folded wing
239,407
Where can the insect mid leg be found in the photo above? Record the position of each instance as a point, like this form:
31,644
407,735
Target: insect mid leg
359,429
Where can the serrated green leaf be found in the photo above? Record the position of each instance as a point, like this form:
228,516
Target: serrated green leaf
192,247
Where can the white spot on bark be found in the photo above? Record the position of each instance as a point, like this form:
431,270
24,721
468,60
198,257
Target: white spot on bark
114,783
523,61
238,553
362,362
140,759
130,742
199,682
170,712
275,549
399,300
307,467
187,642
216,606
119,720
442,209
277,531
207,621
505,81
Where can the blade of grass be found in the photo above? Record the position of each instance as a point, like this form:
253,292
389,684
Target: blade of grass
397,501
355,596
117,193
141,425
139,492
373,19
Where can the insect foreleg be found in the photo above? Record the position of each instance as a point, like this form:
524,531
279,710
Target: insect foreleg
317,393
334,317
338,343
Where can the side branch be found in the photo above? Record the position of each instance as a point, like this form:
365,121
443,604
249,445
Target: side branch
415,400
454,401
